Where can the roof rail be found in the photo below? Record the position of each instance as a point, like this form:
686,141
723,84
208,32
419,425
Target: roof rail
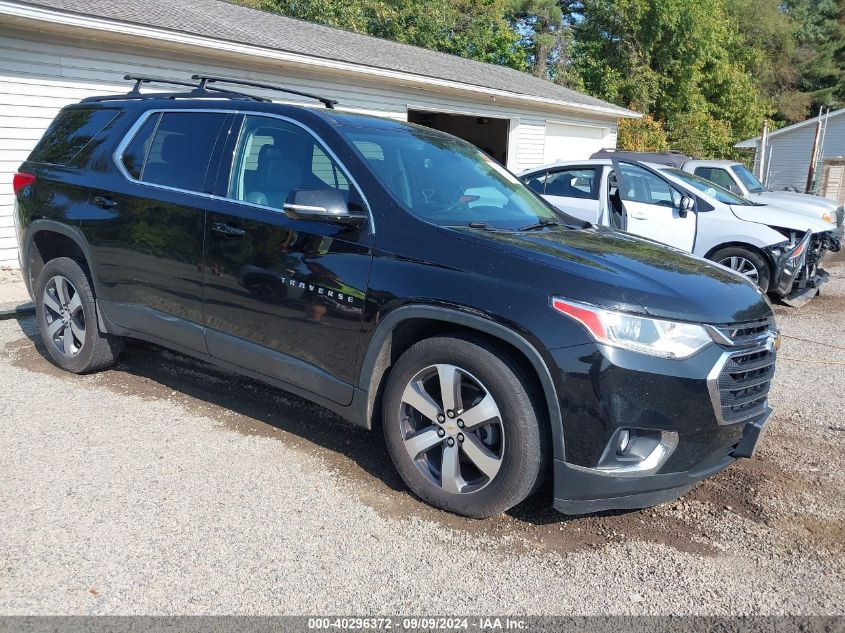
204,80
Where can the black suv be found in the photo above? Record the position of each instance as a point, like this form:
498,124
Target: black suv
401,278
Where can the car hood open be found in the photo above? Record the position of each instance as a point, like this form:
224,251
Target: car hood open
661,281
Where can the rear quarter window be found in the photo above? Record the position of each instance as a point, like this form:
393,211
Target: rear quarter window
69,133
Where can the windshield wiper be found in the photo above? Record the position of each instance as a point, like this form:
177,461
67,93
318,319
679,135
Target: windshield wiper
481,225
539,225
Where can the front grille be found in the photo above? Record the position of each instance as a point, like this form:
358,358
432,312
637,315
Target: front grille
741,388
741,332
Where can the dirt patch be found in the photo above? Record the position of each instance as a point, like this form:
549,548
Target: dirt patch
360,459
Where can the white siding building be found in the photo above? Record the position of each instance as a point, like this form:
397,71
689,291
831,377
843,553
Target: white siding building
788,150
56,52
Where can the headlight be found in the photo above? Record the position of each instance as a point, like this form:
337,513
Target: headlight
656,337
828,217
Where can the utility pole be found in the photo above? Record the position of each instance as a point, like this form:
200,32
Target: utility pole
764,138
811,172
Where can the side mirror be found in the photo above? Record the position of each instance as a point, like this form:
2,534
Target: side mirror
321,205
687,205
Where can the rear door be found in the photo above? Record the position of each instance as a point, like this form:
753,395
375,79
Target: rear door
574,190
651,206
146,230
284,297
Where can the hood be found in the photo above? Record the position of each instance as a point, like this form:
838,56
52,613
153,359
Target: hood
797,201
776,217
621,271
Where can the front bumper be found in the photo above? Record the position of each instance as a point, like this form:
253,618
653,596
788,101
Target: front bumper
797,272
586,490
713,406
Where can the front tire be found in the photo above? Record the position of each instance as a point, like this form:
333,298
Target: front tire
746,262
461,427
67,318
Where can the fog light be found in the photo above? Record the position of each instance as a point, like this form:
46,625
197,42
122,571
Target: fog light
624,439
637,451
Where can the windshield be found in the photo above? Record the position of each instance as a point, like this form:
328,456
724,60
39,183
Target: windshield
449,182
707,186
748,179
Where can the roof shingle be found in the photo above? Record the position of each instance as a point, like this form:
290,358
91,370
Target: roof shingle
224,21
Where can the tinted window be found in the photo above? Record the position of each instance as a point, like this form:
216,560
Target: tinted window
643,186
573,183
174,149
536,182
72,130
719,176
447,181
136,152
274,157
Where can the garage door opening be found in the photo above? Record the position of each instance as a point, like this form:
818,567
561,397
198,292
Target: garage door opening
489,134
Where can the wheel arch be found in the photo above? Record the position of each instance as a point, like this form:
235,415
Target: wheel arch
407,325
750,247
47,240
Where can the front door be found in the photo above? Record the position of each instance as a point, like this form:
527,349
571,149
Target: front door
651,207
284,297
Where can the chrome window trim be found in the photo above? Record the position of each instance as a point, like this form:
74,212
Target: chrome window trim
117,157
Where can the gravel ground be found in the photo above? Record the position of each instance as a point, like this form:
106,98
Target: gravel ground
166,486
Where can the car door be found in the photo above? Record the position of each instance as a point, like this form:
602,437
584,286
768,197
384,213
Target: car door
574,190
651,206
147,233
284,297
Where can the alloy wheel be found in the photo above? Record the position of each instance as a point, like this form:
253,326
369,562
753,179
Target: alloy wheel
64,316
743,267
452,429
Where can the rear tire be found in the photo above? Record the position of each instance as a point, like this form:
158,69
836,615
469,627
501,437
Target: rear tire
484,458
746,262
67,318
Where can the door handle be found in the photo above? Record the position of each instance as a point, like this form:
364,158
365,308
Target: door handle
227,230
104,202
639,215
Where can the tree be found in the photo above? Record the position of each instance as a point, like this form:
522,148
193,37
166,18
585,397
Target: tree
683,61
821,38
642,135
545,35
771,53
476,29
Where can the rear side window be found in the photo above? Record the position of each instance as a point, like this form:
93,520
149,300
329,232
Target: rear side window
573,183
69,133
537,182
174,149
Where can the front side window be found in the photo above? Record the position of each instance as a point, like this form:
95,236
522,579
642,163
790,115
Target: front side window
274,157
719,176
748,179
448,181
174,149
643,186
573,183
